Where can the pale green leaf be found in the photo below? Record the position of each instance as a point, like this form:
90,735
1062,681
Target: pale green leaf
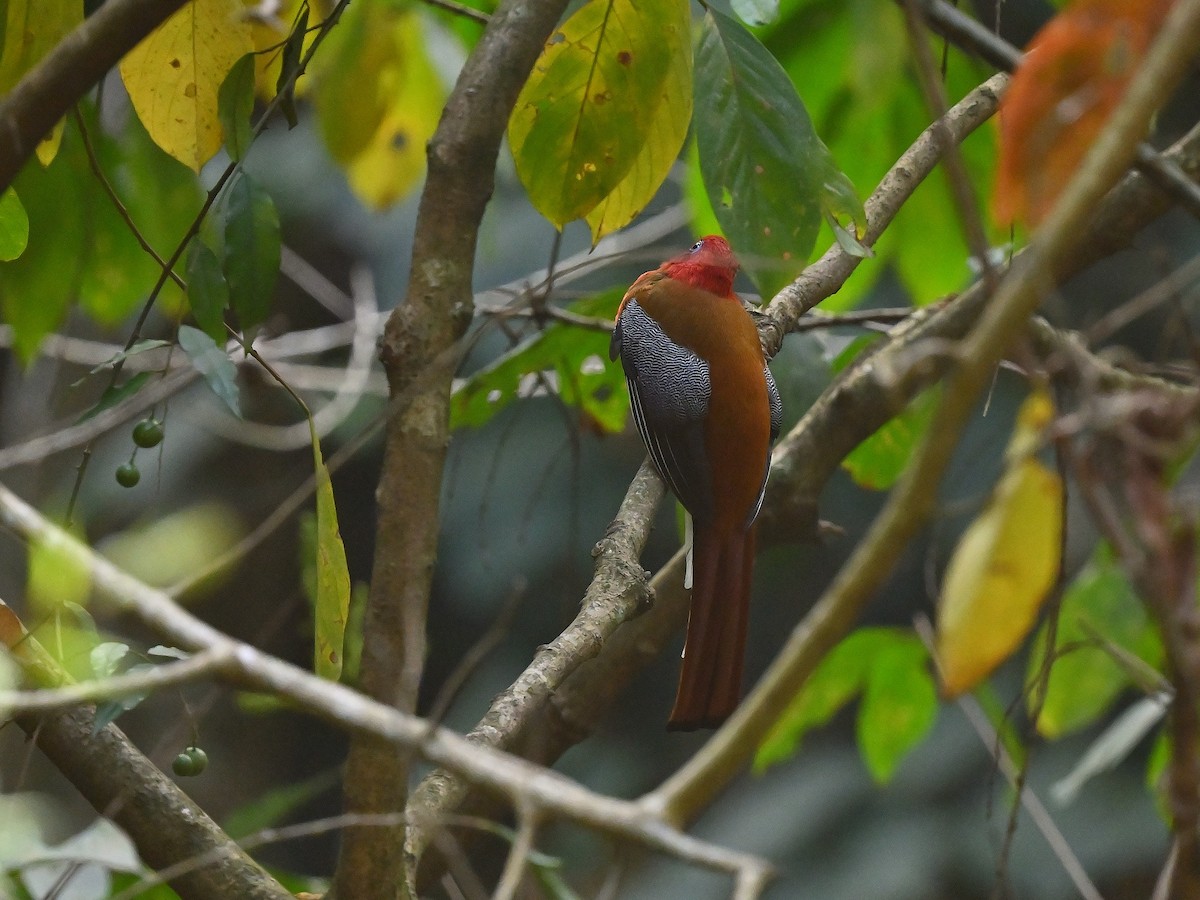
1113,746
214,364
756,12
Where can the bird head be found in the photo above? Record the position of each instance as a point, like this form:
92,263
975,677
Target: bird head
709,264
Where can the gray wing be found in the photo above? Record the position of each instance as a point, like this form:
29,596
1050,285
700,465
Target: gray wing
776,427
669,390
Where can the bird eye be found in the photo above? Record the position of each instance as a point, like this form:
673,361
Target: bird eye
696,246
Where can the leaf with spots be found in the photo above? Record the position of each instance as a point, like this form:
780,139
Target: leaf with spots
592,104
569,361
378,99
768,176
668,129
174,75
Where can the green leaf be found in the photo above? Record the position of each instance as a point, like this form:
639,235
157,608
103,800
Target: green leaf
834,683
252,251
333,575
55,575
890,667
106,657
14,226
589,105
214,364
235,105
899,705
108,710
577,366
878,461
208,292
94,259
852,63
114,394
1085,678
293,50
768,175
350,102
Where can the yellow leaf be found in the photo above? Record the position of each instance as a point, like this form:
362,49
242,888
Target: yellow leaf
47,147
173,76
378,100
589,105
1005,564
668,129
30,31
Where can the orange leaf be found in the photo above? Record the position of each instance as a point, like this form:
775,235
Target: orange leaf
1074,74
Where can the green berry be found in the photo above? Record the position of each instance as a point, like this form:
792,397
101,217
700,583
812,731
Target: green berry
190,762
148,433
184,766
128,475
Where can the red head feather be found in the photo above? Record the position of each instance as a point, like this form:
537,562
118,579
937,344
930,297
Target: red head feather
709,265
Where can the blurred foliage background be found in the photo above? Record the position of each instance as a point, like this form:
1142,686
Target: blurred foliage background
528,492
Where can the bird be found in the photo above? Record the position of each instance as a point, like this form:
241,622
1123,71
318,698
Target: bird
708,410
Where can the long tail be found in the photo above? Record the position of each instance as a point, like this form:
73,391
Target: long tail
710,680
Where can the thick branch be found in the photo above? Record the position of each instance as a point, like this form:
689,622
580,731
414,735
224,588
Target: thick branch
417,339
52,87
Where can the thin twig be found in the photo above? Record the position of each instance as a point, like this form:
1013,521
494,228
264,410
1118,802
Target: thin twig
203,664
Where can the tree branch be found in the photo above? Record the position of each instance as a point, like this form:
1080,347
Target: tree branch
419,332
529,787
